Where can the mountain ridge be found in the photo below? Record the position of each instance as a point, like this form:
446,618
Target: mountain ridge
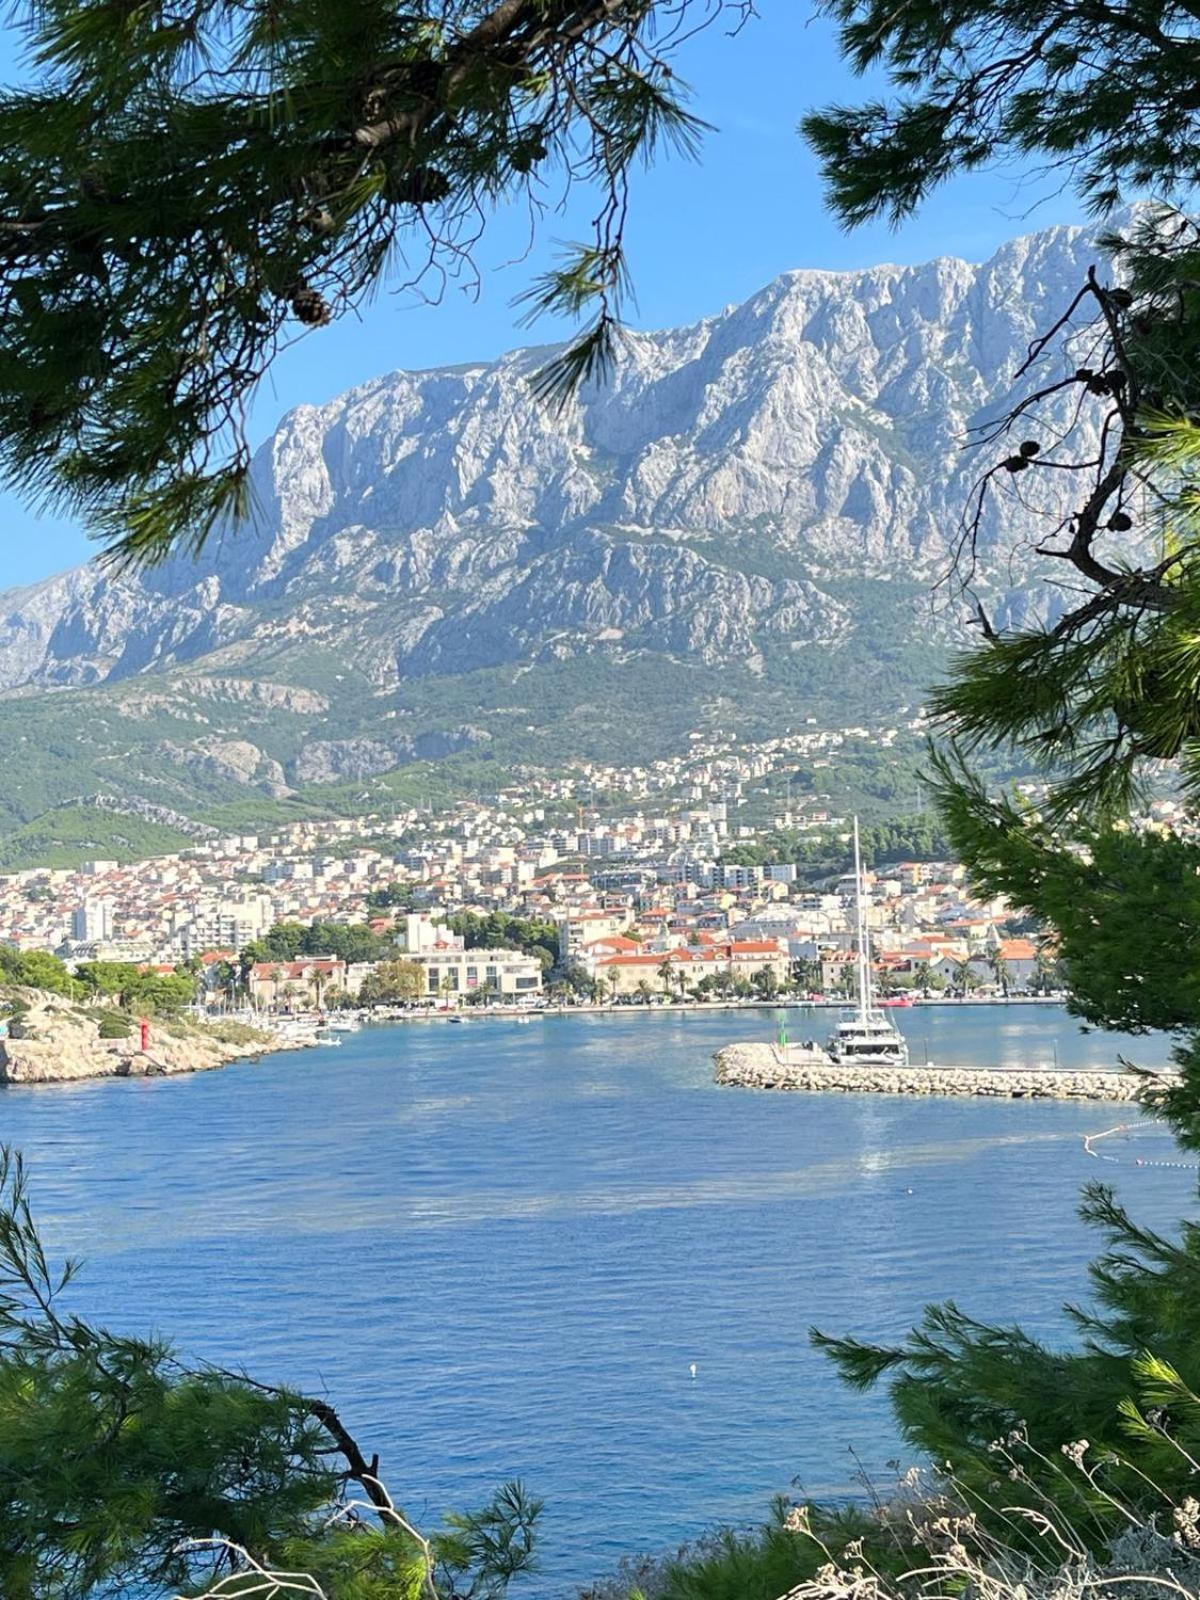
751,513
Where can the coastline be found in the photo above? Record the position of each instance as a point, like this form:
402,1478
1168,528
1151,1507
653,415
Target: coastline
58,1042
61,1043
703,1007
765,1066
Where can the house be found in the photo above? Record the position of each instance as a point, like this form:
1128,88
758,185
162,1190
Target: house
585,926
295,985
1020,957
685,967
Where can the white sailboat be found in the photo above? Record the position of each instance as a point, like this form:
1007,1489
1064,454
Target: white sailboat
865,1037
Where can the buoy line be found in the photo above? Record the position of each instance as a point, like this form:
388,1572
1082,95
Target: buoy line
1091,1140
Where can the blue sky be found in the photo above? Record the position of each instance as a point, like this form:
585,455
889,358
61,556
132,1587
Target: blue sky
702,235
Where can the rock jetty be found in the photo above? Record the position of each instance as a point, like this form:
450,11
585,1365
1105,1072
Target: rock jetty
54,1041
767,1066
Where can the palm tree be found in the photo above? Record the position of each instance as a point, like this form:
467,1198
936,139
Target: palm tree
923,977
766,983
666,973
644,991
999,970
807,975
964,977
1045,971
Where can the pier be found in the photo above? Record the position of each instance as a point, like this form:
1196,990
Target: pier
773,1066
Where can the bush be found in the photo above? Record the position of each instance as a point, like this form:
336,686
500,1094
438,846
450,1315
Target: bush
229,1032
115,1025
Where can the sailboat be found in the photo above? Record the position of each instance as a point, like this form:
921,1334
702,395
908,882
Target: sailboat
865,1037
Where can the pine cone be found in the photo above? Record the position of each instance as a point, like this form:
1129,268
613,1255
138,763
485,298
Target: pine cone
310,307
417,186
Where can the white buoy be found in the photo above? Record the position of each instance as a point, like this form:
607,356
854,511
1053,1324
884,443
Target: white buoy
692,1369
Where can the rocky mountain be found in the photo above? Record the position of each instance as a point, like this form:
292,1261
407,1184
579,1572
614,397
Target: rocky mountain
748,520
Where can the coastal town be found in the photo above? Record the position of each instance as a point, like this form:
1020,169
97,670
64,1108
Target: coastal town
655,896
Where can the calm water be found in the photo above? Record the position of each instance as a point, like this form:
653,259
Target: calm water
499,1247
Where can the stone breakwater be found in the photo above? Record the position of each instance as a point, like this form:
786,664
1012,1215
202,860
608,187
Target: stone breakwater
57,1042
764,1066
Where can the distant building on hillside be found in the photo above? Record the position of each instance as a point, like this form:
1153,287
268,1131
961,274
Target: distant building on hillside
92,922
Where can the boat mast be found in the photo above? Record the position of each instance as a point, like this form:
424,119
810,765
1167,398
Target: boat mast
864,963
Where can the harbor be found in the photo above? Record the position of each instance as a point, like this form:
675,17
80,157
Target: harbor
868,1054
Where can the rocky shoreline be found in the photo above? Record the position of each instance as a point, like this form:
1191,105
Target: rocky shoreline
764,1066
57,1042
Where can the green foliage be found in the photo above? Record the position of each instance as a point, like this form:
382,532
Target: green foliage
67,835
230,1032
151,993
1112,681
346,941
591,707
1102,95
114,1025
498,931
122,1470
36,969
393,983
1111,684
481,1552
826,852
1125,904
1000,1405
761,1563
183,197
393,896
1104,687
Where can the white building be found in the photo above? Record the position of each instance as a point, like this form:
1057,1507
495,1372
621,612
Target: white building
92,922
507,974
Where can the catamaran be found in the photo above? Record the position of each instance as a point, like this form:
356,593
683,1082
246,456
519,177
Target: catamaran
865,1037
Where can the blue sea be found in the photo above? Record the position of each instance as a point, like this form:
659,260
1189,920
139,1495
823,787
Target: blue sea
499,1248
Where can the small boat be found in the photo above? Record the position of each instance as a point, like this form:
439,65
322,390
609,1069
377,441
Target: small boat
344,1025
900,1001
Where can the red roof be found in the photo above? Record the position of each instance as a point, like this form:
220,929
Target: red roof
268,971
1018,949
655,958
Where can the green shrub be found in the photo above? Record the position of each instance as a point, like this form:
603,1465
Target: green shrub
115,1025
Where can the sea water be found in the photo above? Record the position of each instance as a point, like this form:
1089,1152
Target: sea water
500,1248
